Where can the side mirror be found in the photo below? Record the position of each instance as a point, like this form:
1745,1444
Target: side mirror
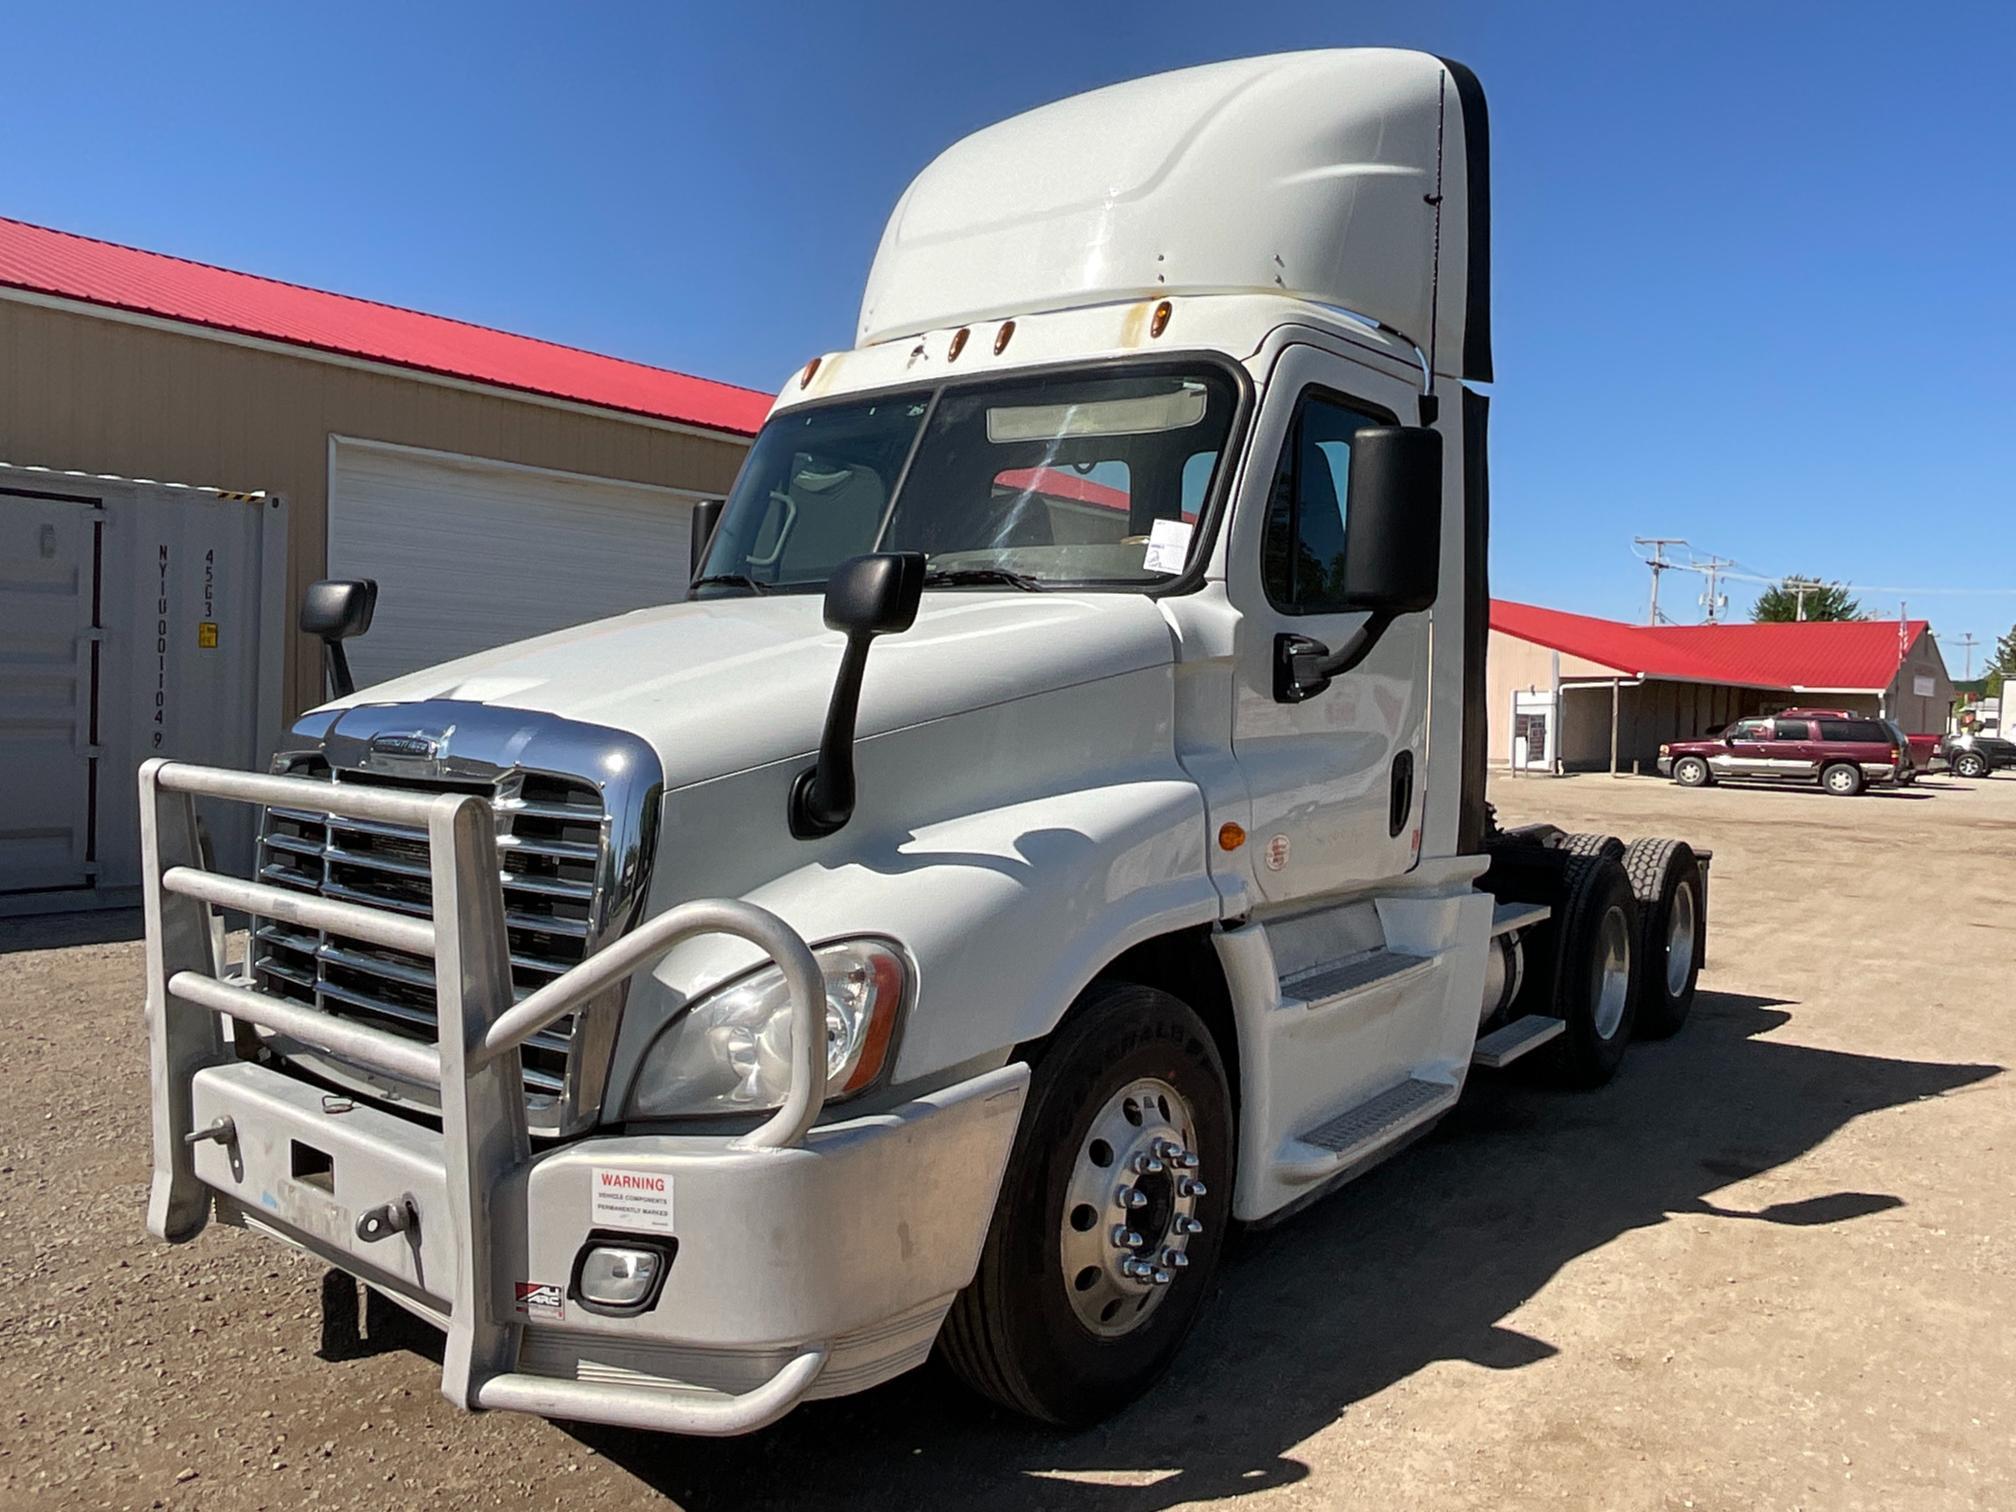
866,596
1392,552
1393,520
333,610
706,516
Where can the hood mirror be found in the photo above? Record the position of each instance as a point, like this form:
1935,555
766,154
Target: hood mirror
866,596
333,611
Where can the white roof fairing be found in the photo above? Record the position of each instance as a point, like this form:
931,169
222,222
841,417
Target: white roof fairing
1309,174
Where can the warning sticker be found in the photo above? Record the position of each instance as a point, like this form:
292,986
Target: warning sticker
1277,852
632,1199
206,635
541,1299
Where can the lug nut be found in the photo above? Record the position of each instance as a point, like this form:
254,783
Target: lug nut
1147,1165
1175,1259
1190,1186
1189,1161
1125,1238
1185,1224
1138,1270
1161,1277
1131,1197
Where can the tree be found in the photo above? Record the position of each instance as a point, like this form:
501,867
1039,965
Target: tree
2001,666
1781,602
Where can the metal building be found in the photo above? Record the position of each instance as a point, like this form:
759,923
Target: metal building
495,485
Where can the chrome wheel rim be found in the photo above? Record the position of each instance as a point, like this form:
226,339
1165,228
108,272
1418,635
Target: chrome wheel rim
1680,939
1613,973
1690,772
1840,779
1130,1209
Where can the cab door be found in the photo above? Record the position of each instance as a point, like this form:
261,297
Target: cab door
1747,754
1794,749
1337,779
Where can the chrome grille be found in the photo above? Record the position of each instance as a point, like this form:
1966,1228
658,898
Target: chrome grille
552,846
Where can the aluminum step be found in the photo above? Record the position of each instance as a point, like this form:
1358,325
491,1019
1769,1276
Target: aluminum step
1507,917
1363,1131
1326,984
1508,1042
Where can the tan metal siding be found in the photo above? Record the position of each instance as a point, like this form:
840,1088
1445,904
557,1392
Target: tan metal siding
100,395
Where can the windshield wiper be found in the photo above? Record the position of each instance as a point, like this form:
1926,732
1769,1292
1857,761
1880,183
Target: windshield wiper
730,580
961,577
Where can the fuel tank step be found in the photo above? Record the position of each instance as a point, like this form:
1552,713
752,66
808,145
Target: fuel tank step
1508,1042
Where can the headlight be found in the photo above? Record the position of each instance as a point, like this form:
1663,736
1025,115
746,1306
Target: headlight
730,1052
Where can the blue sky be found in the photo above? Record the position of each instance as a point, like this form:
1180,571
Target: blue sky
1753,263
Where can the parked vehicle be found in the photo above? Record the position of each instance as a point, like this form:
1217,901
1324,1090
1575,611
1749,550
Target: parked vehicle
1978,755
686,1052
1916,753
1843,753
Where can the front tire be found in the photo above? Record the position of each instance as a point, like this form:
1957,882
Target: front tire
1061,1321
1691,771
1842,778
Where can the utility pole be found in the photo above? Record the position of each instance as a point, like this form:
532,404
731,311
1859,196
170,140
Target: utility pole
1714,603
1658,563
1800,588
1966,643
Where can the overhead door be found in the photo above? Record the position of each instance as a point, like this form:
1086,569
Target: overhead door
48,688
471,553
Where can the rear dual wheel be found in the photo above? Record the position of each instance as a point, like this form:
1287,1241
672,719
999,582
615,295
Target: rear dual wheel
1112,1213
1665,877
1595,970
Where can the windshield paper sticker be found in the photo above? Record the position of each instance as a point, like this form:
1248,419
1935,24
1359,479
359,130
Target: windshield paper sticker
1168,546
631,1199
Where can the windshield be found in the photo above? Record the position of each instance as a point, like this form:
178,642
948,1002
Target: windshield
1029,482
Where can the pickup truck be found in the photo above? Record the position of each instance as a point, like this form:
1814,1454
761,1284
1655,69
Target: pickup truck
1050,833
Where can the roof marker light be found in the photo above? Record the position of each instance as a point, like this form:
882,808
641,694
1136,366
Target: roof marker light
958,344
1161,321
1003,336
810,368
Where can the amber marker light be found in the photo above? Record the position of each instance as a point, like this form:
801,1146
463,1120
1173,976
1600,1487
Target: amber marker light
1003,336
810,368
1161,321
958,344
1230,836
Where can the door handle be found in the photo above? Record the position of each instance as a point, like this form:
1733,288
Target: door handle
1400,797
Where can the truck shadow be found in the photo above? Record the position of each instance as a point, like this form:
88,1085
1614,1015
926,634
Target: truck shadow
1418,1262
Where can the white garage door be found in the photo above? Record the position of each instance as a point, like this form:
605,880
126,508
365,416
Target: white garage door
471,553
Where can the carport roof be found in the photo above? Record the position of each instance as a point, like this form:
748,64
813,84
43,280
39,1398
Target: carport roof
1848,656
58,263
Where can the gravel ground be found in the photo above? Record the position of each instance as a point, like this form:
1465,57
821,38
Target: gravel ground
1772,1265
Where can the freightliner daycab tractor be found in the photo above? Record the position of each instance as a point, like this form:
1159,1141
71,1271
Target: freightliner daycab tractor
1050,831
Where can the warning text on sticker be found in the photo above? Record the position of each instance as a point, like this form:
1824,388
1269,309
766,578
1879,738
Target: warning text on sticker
631,1199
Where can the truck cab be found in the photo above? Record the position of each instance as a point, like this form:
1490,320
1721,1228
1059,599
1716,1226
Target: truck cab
1050,832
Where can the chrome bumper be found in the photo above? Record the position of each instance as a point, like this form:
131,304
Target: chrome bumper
802,1260
1665,766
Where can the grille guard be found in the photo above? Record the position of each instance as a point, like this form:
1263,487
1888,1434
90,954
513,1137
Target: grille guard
473,1063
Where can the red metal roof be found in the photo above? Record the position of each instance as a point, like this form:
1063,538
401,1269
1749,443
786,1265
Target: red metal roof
125,278
1848,655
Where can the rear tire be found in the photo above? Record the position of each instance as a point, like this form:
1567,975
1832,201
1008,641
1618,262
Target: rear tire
1672,932
1595,971
1970,764
1691,771
1842,778
1592,845
1025,1333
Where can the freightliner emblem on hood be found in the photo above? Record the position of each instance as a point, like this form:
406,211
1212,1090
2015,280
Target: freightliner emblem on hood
412,752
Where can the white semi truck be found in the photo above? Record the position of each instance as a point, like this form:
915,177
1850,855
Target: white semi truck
1051,832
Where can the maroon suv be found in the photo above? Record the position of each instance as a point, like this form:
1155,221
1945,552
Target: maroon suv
1844,753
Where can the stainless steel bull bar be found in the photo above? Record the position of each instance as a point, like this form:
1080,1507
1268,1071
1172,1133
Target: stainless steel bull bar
474,1061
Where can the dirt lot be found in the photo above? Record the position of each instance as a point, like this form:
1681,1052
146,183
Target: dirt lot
1772,1265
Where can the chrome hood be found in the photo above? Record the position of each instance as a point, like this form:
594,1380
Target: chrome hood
722,685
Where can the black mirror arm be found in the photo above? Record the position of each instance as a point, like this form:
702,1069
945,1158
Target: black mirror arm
1304,667
341,683
822,796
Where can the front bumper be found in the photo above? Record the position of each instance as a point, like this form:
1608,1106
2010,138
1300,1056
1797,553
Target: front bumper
803,1258
1665,766
826,1267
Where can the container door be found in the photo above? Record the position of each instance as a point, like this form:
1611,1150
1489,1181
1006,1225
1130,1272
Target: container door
48,689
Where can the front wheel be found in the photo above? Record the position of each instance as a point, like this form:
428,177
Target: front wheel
1842,778
1691,771
1112,1213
